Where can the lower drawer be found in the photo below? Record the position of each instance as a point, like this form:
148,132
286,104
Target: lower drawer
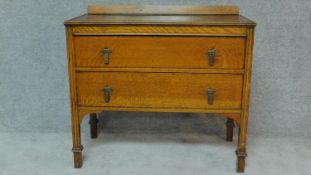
163,90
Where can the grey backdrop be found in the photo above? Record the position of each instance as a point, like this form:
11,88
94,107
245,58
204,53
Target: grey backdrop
33,70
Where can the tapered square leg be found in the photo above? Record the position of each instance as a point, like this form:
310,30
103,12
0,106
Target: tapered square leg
93,125
243,122
230,126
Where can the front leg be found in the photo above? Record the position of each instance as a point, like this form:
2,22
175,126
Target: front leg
241,150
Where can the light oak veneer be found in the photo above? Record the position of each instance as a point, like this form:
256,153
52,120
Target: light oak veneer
160,59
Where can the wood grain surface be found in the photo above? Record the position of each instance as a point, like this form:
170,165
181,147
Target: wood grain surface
161,9
160,30
159,63
167,90
159,52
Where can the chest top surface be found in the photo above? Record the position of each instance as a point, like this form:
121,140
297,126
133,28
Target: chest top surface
162,15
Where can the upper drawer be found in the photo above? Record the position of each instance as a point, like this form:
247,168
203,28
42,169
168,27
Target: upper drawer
160,52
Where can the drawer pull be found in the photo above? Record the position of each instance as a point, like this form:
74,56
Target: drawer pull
107,90
210,95
106,53
211,56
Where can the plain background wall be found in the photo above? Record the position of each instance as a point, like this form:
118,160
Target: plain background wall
34,95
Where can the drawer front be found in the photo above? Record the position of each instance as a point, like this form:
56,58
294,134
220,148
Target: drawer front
165,90
159,52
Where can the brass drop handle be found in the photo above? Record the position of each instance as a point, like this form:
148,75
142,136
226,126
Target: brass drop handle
107,91
106,52
210,95
211,56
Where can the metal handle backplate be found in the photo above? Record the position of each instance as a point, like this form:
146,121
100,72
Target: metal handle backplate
107,92
210,95
106,52
211,56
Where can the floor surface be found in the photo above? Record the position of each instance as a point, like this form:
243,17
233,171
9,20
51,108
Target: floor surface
150,154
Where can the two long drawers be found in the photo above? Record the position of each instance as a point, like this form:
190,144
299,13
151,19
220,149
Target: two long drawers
102,81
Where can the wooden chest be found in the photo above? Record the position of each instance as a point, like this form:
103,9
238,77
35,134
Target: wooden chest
160,58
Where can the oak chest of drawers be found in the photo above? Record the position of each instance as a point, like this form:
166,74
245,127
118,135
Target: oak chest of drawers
160,58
